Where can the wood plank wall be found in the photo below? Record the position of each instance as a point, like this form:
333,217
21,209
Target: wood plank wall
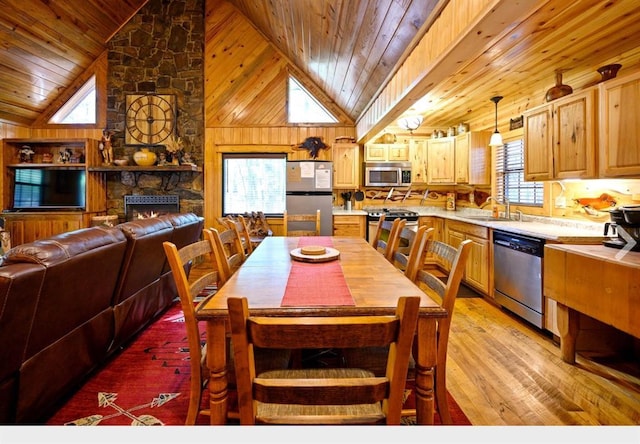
246,100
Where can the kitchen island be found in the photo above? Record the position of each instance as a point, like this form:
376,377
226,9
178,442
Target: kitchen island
598,281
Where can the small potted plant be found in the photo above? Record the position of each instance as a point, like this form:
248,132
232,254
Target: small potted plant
174,147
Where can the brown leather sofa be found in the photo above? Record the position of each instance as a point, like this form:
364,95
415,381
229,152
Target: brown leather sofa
71,301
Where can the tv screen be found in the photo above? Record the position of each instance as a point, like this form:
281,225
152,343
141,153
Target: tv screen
49,189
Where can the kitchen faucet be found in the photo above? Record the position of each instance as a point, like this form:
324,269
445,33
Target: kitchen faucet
507,205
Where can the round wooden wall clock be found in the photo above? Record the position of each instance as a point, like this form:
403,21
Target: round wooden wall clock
150,118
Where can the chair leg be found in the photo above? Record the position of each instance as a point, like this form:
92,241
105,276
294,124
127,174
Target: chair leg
442,402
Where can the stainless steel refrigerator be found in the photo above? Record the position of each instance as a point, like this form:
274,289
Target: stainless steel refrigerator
309,188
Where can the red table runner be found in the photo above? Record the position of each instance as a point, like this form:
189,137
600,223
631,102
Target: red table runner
313,284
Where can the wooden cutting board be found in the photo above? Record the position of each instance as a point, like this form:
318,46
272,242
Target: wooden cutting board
330,254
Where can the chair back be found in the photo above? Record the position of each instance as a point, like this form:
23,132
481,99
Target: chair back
240,225
181,260
315,396
387,235
311,221
410,248
453,260
228,251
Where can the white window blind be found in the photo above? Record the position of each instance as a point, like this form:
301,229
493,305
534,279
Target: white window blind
510,183
254,182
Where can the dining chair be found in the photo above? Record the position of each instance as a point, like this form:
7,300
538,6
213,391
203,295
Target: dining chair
181,260
387,235
228,251
405,257
312,220
325,395
452,261
240,225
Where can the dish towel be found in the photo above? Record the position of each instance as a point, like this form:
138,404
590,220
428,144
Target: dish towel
316,284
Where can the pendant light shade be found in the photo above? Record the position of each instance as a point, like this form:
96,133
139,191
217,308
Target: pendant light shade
496,137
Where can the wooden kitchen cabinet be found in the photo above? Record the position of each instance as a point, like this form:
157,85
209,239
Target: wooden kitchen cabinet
620,127
418,158
473,158
379,152
441,160
477,267
560,138
346,165
350,225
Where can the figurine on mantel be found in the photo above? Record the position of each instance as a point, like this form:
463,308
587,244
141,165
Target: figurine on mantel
105,147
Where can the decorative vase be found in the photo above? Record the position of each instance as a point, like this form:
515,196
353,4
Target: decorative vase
144,157
559,90
609,71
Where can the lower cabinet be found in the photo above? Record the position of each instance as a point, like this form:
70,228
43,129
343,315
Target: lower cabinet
350,225
24,228
477,268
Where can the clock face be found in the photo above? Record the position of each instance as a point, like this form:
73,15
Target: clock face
150,118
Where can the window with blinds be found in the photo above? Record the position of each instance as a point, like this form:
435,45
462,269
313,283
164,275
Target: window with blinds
254,182
510,183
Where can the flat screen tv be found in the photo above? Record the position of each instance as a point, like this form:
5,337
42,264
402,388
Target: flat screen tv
39,189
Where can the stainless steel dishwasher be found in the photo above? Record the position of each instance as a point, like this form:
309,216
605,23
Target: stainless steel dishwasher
518,275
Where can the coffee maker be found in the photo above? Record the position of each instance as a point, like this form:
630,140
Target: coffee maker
624,227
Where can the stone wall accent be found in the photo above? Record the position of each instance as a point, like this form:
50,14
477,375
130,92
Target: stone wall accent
160,50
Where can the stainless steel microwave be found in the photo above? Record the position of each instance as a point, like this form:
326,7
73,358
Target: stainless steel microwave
387,174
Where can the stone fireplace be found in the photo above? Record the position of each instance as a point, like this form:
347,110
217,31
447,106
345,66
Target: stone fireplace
138,206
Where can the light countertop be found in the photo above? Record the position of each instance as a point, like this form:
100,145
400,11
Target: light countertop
552,229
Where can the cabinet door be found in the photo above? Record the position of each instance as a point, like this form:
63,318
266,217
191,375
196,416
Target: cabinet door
462,158
479,158
398,153
538,160
346,165
352,226
418,156
477,269
620,127
574,136
375,152
441,160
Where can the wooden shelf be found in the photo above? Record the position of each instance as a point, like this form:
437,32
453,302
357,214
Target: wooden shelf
63,166
164,168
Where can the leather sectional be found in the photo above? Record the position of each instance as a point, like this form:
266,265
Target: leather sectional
70,301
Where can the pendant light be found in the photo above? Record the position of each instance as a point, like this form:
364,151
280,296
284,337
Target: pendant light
496,137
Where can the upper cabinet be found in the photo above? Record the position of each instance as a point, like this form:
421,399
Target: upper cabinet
346,165
441,160
620,127
560,138
473,158
380,152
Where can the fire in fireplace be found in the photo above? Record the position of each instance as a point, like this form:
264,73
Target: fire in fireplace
144,206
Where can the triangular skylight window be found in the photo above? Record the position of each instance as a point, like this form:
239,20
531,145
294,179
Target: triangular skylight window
80,108
304,108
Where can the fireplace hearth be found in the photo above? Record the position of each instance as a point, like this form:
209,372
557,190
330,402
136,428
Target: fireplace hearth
144,206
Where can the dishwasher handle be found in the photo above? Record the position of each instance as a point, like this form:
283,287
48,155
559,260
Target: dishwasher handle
503,243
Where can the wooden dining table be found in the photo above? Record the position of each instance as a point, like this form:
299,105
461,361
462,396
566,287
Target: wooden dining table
360,281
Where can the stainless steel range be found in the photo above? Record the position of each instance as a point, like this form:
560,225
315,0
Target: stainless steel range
373,216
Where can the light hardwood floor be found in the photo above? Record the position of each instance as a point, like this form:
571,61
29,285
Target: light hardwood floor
502,371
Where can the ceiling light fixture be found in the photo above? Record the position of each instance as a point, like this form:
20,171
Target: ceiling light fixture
410,123
496,137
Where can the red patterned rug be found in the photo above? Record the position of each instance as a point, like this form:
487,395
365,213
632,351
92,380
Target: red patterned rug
148,383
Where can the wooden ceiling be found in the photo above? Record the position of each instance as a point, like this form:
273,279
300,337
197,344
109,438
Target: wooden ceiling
349,48
46,45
